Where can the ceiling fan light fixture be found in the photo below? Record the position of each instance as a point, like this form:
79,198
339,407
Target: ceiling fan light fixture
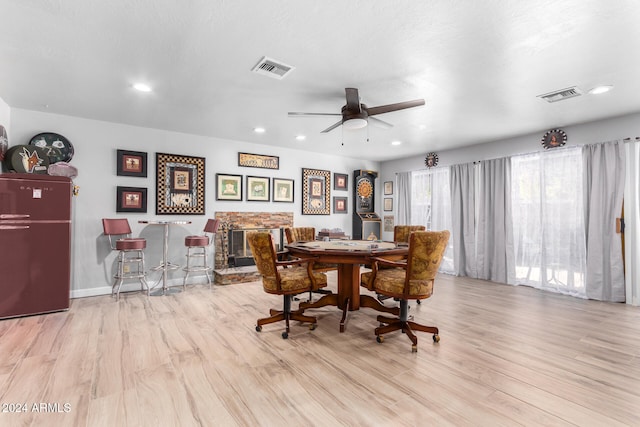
354,123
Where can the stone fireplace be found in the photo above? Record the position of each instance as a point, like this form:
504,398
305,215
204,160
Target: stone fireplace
231,247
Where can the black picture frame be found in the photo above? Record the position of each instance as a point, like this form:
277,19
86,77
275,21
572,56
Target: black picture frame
388,204
388,188
340,205
131,163
340,181
282,190
131,199
180,184
228,187
258,161
258,189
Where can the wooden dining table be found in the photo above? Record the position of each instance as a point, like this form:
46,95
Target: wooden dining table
349,255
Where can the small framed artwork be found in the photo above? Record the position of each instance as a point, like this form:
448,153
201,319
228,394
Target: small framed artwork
131,199
340,181
340,205
131,163
180,186
228,187
258,161
388,204
388,223
316,192
257,189
282,190
388,188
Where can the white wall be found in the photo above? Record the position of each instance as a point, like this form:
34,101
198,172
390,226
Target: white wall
589,133
95,145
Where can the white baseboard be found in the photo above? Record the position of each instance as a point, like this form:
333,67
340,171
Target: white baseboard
126,287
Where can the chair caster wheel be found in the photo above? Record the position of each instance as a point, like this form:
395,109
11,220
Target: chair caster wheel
380,339
258,328
285,335
414,348
436,338
313,326
419,301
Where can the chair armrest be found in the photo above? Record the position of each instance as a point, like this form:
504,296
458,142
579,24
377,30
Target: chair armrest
296,261
389,263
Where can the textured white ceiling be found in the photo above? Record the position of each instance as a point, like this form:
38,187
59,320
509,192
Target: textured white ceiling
478,64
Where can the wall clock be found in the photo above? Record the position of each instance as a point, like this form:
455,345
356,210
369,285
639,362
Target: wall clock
554,138
431,160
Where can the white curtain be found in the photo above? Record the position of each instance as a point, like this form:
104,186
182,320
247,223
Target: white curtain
632,223
548,220
463,229
403,184
604,166
431,206
495,257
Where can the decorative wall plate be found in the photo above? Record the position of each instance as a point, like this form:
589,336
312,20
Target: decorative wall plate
26,159
431,160
554,138
57,147
4,142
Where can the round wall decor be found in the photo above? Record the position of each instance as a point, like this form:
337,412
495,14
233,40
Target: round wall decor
554,138
4,142
431,160
57,147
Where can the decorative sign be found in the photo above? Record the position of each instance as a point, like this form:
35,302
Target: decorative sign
258,161
554,138
431,160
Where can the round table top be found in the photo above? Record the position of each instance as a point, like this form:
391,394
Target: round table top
349,245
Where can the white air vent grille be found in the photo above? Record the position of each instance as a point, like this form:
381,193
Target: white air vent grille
272,68
559,95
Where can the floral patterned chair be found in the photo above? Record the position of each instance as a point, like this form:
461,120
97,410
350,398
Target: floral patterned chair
409,279
297,278
401,232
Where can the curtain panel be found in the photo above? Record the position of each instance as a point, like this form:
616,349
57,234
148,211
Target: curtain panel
403,184
632,223
604,176
462,184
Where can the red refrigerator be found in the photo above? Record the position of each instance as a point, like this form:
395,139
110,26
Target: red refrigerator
35,244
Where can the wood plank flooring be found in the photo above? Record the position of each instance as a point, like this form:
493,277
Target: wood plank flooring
507,356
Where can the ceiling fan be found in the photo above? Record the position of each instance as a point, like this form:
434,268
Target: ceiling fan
355,115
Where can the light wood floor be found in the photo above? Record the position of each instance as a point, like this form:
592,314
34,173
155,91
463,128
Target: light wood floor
507,356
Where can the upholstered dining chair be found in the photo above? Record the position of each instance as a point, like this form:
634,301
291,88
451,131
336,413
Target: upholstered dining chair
297,278
401,232
130,253
198,248
410,279
308,234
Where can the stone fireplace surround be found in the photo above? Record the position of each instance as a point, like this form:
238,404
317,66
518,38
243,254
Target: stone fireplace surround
244,220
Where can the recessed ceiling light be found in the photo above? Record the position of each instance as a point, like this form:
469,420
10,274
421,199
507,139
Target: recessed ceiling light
142,87
259,130
600,89
396,142
300,137
422,127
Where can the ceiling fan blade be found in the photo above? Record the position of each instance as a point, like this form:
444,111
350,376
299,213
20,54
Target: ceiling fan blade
353,100
372,111
296,114
332,127
380,123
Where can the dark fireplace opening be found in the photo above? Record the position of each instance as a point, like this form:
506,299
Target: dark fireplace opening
239,253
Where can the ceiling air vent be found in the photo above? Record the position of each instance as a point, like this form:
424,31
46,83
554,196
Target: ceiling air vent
272,68
559,95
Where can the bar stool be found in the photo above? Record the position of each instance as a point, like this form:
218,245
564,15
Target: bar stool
130,253
198,248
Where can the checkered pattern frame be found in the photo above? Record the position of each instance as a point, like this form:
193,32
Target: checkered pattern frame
171,202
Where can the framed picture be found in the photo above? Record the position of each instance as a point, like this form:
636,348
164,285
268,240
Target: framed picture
180,185
340,181
388,204
131,163
228,187
340,205
388,223
282,190
258,161
257,189
131,199
316,192
388,188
